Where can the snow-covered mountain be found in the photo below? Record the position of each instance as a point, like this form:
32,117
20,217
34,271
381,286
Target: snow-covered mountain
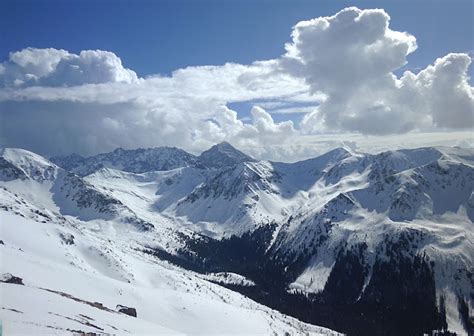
74,261
135,161
360,243
152,159
223,155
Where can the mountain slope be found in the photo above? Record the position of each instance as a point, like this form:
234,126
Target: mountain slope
144,160
75,276
134,161
41,184
360,243
370,214
223,155
72,267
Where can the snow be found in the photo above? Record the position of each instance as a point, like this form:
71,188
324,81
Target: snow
33,165
136,161
314,278
347,198
223,155
61,282
229,278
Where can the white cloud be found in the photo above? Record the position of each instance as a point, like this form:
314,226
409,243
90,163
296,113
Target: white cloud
443,91
339,70
351,48
262,130
294,109
155,111
35,62
267,127
53,67
351,57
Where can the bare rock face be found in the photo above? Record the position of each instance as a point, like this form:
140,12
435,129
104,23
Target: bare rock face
9,278
127,310
67,238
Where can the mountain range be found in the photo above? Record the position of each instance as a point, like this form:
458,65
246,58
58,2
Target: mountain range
363,244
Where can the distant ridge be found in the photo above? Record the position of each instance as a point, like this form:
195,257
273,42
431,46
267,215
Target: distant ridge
144,160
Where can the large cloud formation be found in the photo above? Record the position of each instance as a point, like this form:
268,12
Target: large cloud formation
52,67
351,57
338,71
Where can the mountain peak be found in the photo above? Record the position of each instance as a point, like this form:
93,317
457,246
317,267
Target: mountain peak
338,152
21,162
222,155
224,145
138,160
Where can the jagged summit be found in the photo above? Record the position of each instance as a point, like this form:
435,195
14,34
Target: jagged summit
223,155
143,160
130,160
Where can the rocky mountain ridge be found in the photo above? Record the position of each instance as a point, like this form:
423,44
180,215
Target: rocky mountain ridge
379,237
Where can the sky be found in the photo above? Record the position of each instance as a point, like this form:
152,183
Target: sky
282,80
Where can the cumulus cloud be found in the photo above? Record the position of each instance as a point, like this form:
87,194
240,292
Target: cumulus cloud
156,111
352,56
443,91
262,129
53,67
338,70
351,48
265,125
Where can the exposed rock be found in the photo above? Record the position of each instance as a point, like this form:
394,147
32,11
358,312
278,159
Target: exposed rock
97,305
67,238
9,171
9,278
127,310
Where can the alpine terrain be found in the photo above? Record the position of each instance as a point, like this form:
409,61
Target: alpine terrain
160,241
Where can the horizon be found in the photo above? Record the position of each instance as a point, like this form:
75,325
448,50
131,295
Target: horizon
347,147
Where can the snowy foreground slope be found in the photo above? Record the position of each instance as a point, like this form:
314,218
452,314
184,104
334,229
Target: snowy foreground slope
64,280
364,244
75,272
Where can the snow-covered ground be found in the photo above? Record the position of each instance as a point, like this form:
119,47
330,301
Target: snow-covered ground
323,205
229,278
76,273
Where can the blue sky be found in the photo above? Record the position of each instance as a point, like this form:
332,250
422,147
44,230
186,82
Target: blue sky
96,75
160,36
